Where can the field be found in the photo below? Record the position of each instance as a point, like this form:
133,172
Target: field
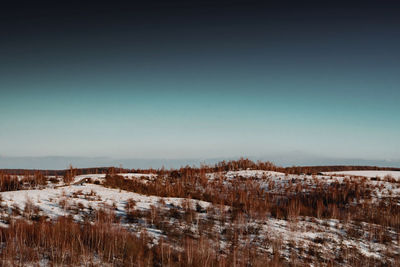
237,213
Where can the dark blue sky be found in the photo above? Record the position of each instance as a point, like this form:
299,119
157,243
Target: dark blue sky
200,79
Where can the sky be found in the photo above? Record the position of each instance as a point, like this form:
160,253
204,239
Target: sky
204,79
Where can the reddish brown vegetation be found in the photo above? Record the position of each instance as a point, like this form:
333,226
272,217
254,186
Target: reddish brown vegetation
65,242
344,201
236,205
10,182
240,164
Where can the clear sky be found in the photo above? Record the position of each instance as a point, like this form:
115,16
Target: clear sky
174,80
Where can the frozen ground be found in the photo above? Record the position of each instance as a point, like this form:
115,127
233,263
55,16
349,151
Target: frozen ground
100,177
369,174
302,234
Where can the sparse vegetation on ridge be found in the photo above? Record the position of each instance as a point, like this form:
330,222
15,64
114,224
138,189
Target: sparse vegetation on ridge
234,213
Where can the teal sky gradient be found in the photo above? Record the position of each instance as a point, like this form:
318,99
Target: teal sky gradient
204,90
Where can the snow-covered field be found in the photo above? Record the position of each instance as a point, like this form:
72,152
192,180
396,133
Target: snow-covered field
89,195
100,177
369,174
328,238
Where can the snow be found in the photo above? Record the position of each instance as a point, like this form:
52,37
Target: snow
301,231
125,175
89,195
368,174
252,173
246,174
